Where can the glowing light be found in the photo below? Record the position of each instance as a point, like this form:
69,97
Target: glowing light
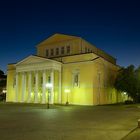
67,90
124,93
49,85
32,94
4,91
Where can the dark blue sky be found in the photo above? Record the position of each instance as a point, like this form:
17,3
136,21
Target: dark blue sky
112,25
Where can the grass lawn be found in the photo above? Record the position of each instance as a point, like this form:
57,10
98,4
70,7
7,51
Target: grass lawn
36,122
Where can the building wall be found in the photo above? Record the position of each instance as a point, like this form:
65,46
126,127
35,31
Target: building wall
96,79
74,48
81,94
10,95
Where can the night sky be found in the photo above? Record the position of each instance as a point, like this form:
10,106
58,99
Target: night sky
113,26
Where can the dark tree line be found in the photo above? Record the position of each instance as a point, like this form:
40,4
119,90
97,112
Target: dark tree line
128,80
2,79
2,85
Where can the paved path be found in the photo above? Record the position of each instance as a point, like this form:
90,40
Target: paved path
36,122
133,135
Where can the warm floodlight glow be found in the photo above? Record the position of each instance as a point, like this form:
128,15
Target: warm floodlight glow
32,94
49,85
67,90
4,91
124,93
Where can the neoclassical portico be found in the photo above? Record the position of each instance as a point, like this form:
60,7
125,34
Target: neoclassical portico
34,73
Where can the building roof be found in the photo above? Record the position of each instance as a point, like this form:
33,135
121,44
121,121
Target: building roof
57,38
62,37
35,59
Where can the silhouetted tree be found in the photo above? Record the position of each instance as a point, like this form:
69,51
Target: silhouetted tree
128,80
2,80
1,72
137,76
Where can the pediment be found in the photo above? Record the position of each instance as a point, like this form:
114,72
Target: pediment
37,63
57,38
33,60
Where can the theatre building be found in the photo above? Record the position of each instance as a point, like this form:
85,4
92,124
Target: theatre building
66,69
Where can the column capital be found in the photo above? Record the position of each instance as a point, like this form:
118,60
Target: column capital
17,73
51,70
35,71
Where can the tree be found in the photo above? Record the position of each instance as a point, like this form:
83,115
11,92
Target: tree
1,72
2,80
137,76
128,80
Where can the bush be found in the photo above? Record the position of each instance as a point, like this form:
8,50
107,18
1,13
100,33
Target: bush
2,97
129,102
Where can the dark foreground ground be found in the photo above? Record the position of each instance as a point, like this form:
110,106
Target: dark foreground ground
36,122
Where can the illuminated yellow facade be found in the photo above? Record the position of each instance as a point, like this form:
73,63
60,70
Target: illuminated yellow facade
66,69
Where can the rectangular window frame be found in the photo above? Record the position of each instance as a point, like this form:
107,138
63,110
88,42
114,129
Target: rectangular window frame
68,49
76,79
57,51
62,50
47,52
52,52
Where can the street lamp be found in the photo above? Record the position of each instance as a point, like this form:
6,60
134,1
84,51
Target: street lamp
124,93
49,86
4,91
67,91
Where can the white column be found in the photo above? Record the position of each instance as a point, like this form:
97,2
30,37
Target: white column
29,86
16,90
23,87
36,87
52,89
59,96
44,87
99,86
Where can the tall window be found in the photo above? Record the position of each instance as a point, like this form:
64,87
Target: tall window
62,50
57,51
47,53
68,49
52,52
76,78
85,50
